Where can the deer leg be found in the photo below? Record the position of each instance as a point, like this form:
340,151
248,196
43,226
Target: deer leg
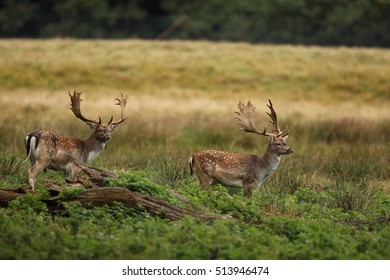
205,182
33,172
204,185
248,190
72,172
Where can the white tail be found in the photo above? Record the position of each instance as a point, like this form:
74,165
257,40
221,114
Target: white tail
49,151
242,170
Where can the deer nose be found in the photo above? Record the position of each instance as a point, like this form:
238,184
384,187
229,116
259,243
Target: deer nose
104,137
290,151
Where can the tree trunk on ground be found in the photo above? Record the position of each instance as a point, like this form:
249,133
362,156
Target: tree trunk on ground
7,196
97,194
153,205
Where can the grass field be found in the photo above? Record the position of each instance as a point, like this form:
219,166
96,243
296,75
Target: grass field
323,202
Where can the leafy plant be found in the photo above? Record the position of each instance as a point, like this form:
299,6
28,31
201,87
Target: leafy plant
138,181
71,192
28,202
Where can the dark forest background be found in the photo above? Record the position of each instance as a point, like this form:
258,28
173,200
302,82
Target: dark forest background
308,22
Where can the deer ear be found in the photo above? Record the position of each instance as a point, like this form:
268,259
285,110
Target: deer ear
91,125
271,139
113,126
285,137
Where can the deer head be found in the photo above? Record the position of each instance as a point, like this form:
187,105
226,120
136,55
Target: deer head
102,131
277,137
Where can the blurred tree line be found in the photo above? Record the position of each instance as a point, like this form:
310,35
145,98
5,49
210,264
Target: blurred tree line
310,22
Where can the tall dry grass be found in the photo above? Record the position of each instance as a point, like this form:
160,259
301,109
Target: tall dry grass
182,96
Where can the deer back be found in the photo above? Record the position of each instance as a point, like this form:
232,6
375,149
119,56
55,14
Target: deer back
55,151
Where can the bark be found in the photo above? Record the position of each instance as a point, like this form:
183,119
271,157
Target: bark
7,196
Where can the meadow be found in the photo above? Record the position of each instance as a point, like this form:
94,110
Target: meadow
328,200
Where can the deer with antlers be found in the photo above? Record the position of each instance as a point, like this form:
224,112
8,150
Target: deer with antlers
49,151
242,170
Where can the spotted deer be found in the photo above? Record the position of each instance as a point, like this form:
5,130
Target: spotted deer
246,171
49,151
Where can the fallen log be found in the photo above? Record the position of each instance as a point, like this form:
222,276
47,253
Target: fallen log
97,177
6,196
153,205
98,194
110,195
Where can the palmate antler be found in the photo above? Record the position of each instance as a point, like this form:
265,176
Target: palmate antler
122,102
245,117
75,101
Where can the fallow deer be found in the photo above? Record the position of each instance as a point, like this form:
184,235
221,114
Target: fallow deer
49,151
242,170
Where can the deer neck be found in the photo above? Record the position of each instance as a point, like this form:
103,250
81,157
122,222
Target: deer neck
270,159
93,147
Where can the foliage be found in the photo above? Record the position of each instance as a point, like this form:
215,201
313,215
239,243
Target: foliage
353,23
311,227
30,203
137,181
71,192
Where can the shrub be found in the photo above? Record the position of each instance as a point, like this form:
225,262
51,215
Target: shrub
28,202
140,182
71,192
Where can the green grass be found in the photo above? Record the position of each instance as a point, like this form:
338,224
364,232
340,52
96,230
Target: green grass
323,202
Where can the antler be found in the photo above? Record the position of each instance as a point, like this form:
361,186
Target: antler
245,117
122,102
274,118
75,100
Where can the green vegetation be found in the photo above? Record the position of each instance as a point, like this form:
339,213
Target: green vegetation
308,224
328,200
342,22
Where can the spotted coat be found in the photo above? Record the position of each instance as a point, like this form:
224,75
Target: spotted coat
246,171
